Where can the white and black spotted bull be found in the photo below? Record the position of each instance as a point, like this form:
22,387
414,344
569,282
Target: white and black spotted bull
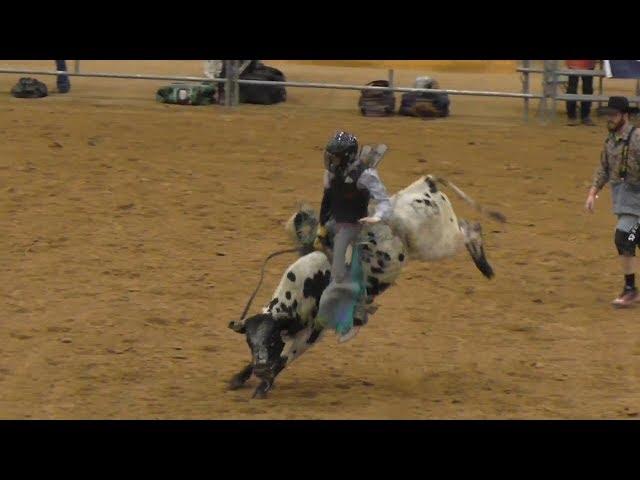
423,227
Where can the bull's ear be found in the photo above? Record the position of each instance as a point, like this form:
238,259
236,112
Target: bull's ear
238,327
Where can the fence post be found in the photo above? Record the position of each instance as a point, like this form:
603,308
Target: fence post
76,67
554,88
542,107
525,88
236,86
228,87
600,80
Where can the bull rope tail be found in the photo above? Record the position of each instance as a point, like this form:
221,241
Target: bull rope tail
238,325
494,214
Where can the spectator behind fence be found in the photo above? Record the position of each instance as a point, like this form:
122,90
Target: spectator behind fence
213,68
62,81
587,89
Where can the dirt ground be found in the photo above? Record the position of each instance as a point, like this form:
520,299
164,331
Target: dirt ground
132,233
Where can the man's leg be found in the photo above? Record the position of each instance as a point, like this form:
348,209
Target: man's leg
63,83
627,251
572,88
585,107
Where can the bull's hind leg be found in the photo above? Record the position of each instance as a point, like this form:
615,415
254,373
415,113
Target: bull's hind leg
239,379
472,233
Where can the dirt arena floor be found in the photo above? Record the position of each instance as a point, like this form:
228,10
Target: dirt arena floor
132,233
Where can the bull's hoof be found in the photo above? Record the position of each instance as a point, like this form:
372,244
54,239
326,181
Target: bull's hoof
262,390
236,383
239,379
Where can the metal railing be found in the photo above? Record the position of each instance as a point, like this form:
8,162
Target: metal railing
232,82
131,76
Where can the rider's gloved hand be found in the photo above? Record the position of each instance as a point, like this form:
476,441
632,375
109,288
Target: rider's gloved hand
320,242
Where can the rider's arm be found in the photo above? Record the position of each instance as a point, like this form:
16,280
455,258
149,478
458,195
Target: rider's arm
325,206
372,182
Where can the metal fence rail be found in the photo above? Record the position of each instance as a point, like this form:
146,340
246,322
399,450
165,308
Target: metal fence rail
568,72
337,86
548,99
334,86
131,76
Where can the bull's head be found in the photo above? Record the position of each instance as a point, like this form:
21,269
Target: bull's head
472,233
265,340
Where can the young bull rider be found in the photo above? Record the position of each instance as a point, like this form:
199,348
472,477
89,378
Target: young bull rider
348,187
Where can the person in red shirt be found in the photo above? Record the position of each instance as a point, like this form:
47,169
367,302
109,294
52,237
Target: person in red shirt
587,89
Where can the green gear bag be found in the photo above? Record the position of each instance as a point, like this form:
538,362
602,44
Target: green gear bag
187,94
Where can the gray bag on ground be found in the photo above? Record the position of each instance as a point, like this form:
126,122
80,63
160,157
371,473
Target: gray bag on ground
376,103
425,104
29,88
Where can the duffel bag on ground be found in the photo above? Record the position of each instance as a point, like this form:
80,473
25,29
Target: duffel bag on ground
29,88
376,103
426,105
187,94
263,94
257,94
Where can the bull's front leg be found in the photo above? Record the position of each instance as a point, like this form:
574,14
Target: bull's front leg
239,379
268,377
294,347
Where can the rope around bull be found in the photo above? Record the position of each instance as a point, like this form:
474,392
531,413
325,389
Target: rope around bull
237,326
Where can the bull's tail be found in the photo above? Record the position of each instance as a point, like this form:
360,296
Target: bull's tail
238,326
494,214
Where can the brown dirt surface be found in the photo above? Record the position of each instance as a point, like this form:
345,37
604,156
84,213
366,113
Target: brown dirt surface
132,233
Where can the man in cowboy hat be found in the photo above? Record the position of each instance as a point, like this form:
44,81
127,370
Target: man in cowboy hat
620,165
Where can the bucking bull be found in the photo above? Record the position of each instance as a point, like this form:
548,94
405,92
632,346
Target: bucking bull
423,227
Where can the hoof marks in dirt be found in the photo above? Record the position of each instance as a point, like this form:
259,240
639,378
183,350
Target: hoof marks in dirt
118,352
158,321
21,336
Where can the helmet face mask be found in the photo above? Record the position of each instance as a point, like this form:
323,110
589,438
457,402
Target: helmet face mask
334,163
340,152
